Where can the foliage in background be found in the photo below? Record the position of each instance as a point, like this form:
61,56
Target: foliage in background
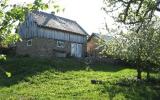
13,15
140,44
132,12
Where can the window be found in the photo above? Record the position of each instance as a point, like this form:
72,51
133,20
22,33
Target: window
60,44
29,42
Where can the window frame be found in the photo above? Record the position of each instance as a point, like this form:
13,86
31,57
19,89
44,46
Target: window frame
60,44
29,40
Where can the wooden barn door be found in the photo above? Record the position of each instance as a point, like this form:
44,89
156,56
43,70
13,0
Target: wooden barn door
79,50
73,49
76,50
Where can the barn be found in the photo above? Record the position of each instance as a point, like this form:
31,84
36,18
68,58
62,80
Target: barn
48,35
94,47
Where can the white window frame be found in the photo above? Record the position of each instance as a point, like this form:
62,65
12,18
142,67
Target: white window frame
60,44
30,40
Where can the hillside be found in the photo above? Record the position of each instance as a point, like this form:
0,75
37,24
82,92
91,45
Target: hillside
45,79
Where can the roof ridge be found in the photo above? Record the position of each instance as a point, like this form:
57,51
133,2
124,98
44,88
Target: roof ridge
58,22
42,12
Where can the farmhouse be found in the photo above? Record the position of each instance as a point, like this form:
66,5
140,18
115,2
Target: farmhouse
48,35
93,46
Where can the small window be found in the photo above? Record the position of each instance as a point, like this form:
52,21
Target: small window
29,42
60,44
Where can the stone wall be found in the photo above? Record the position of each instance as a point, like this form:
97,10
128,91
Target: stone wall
43,47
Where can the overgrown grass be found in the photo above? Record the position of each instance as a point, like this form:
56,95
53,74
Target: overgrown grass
45,79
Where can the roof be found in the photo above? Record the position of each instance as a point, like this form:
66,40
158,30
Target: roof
93,35
52,21
99,36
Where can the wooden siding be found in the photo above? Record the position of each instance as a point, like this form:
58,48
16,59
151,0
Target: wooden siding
30,29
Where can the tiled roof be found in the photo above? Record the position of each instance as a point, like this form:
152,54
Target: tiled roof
52,21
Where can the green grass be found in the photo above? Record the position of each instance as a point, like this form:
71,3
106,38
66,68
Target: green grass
70,79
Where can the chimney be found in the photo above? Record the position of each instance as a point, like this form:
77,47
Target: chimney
53,13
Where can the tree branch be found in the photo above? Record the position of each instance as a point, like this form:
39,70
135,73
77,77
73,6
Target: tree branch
140,5
126,10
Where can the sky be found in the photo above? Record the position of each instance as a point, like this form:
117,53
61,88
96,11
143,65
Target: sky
87,13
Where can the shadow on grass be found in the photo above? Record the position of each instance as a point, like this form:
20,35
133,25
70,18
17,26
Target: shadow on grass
131,90
26,67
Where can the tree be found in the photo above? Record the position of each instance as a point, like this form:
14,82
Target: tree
132,11
139,44
11,16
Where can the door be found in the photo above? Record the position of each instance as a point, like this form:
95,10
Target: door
76,50
79,50
73,49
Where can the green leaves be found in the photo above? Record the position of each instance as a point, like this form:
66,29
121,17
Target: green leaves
8,74
11,39
142,25
131,11
10,18
2,57
38,4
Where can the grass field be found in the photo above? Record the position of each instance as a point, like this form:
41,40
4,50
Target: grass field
70,79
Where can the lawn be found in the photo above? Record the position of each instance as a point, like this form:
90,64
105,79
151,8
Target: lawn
70,79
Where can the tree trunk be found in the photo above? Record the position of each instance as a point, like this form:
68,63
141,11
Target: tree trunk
139,76
148,73
139,69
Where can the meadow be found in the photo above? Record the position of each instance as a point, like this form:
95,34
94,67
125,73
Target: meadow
70,79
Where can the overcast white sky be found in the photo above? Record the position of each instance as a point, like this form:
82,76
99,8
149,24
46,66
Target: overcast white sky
87,13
